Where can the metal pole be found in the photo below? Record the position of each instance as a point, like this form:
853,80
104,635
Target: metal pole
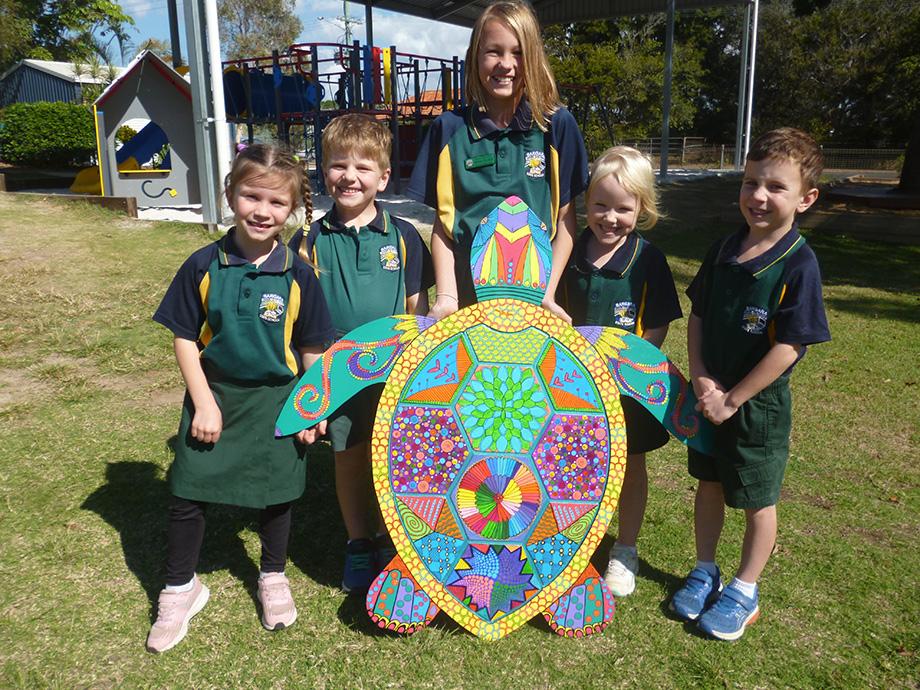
742,80
221,129
202,113
750,89
394,86
174,33
666,104
369,24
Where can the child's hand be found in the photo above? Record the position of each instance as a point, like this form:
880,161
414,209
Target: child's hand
715,406
551,306
444,305
207,423
704,385
311,435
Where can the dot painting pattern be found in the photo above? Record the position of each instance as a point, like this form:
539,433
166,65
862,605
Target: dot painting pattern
498,455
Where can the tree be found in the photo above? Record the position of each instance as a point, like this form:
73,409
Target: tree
64,30
253,28
162,49
625,59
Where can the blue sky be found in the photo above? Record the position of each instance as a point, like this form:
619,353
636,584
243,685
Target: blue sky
321,21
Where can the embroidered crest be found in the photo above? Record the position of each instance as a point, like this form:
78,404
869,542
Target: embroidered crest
389,258
271,307
754,320
534,163
624,314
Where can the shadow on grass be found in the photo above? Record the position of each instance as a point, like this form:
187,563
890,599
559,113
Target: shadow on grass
135,500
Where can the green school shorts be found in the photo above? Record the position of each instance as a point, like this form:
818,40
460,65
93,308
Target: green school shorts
750,450
353,422
644,433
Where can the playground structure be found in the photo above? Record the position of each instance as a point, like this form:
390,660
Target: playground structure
284,90
158,165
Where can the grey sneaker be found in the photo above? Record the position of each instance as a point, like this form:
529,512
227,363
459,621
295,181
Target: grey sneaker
174,611
278,610
621,571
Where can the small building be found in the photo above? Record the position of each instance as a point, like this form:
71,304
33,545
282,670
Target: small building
159,165
32,81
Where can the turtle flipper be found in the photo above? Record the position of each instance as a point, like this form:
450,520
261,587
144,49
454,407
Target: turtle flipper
585,608
362,358
396,602
644,373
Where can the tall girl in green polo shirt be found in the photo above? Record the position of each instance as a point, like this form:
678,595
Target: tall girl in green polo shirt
247,315
617,278
514,139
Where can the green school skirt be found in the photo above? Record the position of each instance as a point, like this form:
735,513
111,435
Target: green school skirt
247,466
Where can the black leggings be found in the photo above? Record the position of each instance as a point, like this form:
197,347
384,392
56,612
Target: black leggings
186,531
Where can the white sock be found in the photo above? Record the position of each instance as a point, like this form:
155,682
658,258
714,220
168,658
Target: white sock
748,589
262,575
709,566
187,587
632,549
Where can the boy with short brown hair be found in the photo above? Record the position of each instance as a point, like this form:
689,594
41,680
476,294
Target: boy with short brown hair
756,305
370,265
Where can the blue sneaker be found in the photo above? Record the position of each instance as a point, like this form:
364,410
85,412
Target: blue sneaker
385,551
699,592
360,569
730,615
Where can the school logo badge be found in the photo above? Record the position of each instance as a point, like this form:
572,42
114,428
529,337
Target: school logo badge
534,164
754,320
271,307
624,314
389,258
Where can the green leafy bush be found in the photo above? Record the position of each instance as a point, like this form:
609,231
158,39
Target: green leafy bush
47,134
124,134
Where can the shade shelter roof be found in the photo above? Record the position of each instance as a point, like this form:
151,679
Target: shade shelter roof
465,12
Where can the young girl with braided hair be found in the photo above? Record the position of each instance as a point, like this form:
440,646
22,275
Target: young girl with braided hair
248,315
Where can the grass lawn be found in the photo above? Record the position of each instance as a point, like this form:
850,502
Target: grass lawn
89,406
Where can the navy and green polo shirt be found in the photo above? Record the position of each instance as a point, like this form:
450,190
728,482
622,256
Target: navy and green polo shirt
248,320
748,307
634,290
366,273
467,166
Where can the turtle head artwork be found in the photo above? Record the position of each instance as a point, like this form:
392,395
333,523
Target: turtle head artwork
499,446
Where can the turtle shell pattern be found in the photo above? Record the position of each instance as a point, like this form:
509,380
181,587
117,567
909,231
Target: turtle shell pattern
498,455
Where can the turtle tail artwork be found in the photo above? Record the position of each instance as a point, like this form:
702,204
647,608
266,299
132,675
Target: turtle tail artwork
499,446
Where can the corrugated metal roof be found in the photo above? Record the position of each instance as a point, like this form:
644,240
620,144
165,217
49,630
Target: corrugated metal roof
62,70
465,12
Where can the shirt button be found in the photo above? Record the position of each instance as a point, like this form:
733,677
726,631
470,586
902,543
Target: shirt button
501,154
728,292
593,295
246,293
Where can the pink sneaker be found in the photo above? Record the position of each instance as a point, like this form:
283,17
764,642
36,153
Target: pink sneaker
278,610
174,611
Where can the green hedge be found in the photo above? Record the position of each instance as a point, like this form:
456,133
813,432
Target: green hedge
47,134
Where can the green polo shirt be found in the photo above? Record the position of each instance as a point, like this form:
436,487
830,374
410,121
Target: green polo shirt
468,166
747,307
248,320
366,273
634,290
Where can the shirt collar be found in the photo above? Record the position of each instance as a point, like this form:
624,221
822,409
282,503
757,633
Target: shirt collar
332,222
481,125
729,252
278,261
618,264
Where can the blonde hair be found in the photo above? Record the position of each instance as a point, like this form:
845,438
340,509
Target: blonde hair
634,171
794,146
264,162
359,134
539,82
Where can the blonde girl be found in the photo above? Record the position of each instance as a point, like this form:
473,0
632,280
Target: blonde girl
514,138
